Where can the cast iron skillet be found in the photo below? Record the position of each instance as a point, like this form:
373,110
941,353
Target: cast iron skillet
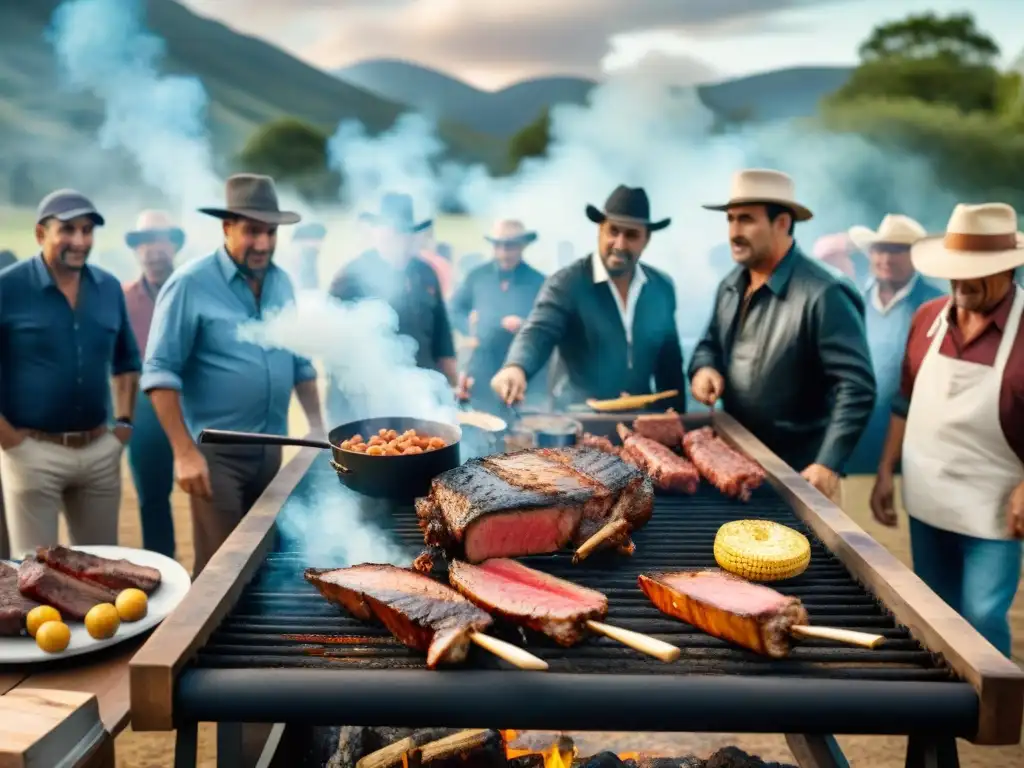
383,477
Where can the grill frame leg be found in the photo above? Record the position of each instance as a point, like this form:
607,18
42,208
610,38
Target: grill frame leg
230,748
932,752
816,750
186,745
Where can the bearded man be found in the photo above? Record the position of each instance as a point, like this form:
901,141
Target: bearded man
785,349
200,375
611,318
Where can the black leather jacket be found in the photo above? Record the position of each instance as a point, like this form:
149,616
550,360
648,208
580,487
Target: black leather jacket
798,373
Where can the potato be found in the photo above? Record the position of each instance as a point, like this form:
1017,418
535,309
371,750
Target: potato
132,604
102,621
53,636
39,616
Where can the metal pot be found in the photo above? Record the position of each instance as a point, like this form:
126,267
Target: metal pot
544,431
386,477
482,434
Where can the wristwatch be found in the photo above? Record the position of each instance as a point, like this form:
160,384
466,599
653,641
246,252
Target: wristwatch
124,424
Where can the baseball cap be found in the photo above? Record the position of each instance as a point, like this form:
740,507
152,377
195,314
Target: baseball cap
67,204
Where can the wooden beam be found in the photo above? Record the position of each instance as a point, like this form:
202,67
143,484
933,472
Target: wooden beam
998,680
155,667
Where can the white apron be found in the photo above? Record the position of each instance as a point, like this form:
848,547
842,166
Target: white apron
958,469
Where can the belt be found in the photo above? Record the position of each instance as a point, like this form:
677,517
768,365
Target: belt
70,439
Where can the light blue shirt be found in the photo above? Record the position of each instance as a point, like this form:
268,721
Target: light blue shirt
194,348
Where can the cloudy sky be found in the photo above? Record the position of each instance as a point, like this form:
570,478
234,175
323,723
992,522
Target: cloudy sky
491,43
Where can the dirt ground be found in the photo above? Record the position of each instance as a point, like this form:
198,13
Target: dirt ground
156,750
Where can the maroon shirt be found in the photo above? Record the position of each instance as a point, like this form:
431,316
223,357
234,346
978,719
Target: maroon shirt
981,350
140,299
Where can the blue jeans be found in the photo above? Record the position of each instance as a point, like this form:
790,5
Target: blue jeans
978,578
152,464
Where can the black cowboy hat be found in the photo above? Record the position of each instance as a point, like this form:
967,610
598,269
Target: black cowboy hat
515,233
396,213
250,196
628,205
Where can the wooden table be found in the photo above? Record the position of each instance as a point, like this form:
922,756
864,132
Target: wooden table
103,676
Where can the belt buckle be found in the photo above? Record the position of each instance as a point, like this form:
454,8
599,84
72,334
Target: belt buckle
71,439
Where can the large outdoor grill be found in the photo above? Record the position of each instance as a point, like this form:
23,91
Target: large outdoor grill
254,643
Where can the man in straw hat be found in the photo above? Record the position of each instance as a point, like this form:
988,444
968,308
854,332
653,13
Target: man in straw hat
392,271
491,305
611,318
155,241
958,421
200,375
64,331
785,349
891,297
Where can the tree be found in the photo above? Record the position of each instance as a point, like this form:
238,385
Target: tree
935,60
292,152
531,141
954,38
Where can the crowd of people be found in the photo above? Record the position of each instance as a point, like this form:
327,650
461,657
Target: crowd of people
847,360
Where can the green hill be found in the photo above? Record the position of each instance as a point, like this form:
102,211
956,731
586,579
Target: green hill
49,134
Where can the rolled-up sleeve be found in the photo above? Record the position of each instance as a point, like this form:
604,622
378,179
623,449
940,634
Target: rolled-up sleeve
170,338
846,364
126,349
304,370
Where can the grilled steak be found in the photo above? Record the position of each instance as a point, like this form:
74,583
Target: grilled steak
728,607
729,471
72,597
14,606
418,611
115,574
665,428
532,502
505,588
588,440
668,471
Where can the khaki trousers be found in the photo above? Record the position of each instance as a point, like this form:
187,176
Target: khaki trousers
40,478
238,475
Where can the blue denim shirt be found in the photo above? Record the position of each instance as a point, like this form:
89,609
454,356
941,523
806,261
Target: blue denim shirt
55,360
194,348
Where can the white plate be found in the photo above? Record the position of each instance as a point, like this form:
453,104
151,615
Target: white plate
174,585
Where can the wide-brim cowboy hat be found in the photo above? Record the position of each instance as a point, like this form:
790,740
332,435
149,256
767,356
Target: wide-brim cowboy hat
510,232
895,229
759,186
980,240
629,206
251,196
396,213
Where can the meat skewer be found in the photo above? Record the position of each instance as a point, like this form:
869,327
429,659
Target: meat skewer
418,611
532,502
730,608
563,611
729,471
668,471
665,428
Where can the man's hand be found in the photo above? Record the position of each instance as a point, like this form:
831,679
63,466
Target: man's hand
123,433
463,388
192,473
824,479
1015,513
17,438
882,506
512,323
707,386
510,384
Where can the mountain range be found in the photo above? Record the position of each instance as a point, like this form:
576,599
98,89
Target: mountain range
50,134
780,94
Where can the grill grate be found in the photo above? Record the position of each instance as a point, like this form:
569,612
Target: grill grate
282,622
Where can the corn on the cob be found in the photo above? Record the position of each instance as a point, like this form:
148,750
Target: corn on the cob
630,402
761,550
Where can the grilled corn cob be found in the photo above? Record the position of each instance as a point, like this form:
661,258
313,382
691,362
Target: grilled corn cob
761,550
630,402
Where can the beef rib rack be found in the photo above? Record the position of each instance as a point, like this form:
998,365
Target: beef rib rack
533,502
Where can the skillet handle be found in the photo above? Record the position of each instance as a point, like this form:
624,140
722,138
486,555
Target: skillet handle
227,437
